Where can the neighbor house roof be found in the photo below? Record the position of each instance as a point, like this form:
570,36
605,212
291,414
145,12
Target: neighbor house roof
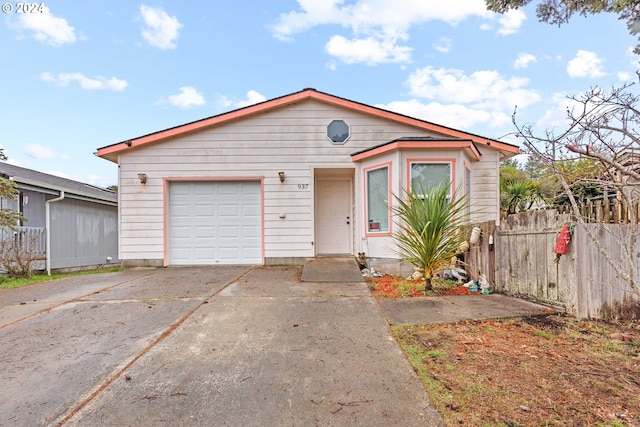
111,152
29,179
418,142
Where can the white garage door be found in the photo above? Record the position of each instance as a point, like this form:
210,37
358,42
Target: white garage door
215,223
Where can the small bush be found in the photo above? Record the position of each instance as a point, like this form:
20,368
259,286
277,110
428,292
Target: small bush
17,256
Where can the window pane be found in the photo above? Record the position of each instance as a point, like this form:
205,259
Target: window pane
377,195
428,175
338,131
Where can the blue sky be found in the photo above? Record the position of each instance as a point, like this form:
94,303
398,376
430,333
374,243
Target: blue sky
79,75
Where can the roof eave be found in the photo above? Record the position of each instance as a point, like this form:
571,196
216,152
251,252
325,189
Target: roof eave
399,144
27,183
111,152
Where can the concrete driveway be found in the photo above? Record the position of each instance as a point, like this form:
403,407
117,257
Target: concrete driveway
202,346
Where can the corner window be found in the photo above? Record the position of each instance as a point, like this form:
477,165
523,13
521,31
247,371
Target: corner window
377,200
428,175
338,131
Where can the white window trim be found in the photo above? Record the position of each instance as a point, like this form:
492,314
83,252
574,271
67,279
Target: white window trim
432,162
338,142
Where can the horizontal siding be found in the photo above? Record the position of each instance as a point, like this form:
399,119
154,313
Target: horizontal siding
286,223
290,139
146,225
292,247
141,233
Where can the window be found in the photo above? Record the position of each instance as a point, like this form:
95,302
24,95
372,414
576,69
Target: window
338,131
428,175
377,200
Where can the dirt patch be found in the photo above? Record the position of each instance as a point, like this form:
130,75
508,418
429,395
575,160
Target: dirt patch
539,371
386,287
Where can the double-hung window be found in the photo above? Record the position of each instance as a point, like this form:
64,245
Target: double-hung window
425,176
378,200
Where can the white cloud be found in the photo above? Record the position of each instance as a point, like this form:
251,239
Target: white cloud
46,27
368,50
443,45
253,97
160,30
523,60
555,116
188,97
483,89
363,16
511,21
481,100
376,26
456,116
86,83
585,64
625,76
41,152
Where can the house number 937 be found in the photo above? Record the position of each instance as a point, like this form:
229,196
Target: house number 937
303,186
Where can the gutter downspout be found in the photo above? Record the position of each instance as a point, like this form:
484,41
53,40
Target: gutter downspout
47,215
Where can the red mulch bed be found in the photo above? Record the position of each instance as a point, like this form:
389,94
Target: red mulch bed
388,287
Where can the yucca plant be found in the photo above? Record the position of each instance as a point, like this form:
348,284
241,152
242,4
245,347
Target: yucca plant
428,227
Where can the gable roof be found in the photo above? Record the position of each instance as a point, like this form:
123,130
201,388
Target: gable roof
418,142
111,152
29,179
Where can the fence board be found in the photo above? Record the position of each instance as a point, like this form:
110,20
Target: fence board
605,292
29,240
582,281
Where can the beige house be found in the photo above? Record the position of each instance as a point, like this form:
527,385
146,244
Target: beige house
294,177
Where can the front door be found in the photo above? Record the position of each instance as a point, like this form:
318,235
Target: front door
333,215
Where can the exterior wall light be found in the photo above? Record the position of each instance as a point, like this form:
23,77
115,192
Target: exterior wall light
143,178
281,175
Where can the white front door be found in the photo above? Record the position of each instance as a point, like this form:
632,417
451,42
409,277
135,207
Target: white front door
333,215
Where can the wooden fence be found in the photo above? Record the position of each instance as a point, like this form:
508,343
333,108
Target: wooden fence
606,211
583,281
29,240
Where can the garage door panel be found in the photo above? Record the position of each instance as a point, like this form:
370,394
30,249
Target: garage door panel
180,211
251,232
251,253
204,253
228,210
248,190
229,253
229,232
202,189
251,210
202,232
180,191
205,211
215,223
181,232
230,189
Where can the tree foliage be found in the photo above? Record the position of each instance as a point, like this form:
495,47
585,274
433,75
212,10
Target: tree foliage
428,229
518,191
558,12
8,217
